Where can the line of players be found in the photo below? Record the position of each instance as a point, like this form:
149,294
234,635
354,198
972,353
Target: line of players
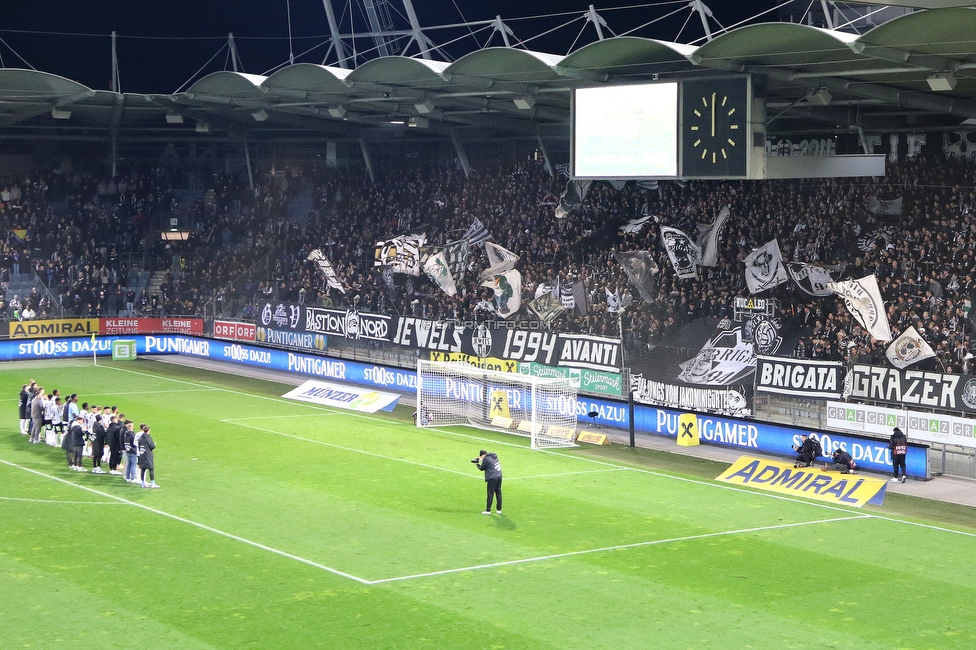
102,429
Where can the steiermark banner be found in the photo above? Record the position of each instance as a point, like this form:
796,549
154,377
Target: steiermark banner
592,381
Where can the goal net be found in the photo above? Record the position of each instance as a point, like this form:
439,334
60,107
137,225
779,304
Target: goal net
542,408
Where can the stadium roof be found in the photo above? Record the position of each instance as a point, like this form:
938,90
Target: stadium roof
882,80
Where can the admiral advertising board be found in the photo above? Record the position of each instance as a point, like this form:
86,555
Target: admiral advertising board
234,331
41,329
906,388
799,377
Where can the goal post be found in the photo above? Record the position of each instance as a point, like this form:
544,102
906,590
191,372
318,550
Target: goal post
541,408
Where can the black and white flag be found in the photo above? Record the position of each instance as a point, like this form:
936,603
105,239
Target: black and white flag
579,298
572,197
499,259
613,301
547,308
640,268
708,237
401,253
456,256
811,278
566,295
634,225
476,233
909,348
863,300
764,268
322,262
891,207
683,252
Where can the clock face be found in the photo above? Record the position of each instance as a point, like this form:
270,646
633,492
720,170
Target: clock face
714,133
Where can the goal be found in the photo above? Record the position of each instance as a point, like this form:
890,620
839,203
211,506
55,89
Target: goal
541,408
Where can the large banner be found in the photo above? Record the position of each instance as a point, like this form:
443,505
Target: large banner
349,323
725,401
800,377
402,253
904,388
282,315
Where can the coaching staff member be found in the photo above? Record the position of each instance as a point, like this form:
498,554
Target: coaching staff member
489,464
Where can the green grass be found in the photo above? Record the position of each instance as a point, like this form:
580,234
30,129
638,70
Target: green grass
282,525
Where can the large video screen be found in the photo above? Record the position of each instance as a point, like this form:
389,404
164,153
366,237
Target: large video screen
625,131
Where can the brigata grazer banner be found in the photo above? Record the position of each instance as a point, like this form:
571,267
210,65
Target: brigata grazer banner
907,388
799,377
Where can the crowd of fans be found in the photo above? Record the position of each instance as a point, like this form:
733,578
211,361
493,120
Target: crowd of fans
73,229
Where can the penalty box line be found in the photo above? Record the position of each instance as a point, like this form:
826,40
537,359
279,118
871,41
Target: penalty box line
619,547
216,531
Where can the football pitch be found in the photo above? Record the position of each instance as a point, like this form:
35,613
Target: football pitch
284,525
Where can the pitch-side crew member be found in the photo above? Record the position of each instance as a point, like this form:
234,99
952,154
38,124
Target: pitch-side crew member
489,464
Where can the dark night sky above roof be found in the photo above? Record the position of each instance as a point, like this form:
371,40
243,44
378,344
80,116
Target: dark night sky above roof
161,45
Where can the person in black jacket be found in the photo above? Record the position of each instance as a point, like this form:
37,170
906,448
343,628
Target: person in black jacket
489,464
113,438
74,443
98,433
146,462
841,461
898,444
24,415
805,451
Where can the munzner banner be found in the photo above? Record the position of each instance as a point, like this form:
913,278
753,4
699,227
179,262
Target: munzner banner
800,377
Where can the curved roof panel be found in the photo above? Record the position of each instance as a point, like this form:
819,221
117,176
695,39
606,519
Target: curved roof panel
940,32
27,84
236,85
507,64
623,52
780,44
401,71
308,77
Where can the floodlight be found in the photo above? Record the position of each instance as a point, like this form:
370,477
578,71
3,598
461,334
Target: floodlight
941,81
203,127
524,102
424,107
820,97
260,115
174,118
338,111
60,114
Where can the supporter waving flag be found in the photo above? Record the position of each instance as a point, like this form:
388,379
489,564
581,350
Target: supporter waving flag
863,300
547,308
326,268
684,254
436,268
811,278
401,253
476,233
640,268
708,237
764,268
500,259
508,292
909,348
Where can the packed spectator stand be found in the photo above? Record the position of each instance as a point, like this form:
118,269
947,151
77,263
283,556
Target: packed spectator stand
77,231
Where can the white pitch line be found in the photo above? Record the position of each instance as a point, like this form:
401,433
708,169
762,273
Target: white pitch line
160,392
357,451
184,520
558,474
618,547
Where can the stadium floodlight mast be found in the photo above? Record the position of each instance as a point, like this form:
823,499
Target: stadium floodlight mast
459,394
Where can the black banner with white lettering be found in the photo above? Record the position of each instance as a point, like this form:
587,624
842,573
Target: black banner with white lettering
909,388
800,377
